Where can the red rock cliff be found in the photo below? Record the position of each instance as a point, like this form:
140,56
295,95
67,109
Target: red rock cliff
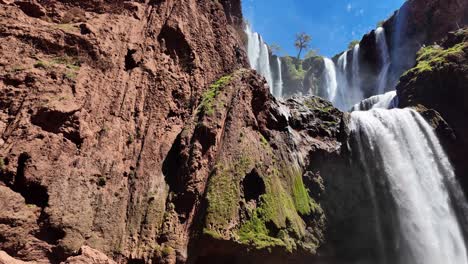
92,96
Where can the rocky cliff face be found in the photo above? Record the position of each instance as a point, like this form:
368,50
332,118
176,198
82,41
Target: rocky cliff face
437,86
250,158
93,95
130,135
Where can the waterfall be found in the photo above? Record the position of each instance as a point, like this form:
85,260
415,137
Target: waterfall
330,79
356,74
409,176
279,81
385,59
259,56
388,100
343,89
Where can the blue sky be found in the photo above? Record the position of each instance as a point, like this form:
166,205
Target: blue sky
331,23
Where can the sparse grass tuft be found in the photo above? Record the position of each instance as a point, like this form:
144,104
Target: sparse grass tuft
101,181
67,27
40,64
17,68
207,105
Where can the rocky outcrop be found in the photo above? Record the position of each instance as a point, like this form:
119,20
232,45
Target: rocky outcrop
93,94
244,160
438,82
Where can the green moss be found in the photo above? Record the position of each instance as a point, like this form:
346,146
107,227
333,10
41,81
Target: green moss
255,233
223,194
280,208
432,57
212,234
207,104
2,164
302,200
315,103
264,141
167,251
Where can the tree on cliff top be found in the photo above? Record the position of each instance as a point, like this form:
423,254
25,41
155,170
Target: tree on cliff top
302,42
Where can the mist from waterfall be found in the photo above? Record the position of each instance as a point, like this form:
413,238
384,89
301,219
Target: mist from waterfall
259,59
409,173
381,42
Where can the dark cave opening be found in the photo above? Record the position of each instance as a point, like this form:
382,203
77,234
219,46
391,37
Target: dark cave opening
253,186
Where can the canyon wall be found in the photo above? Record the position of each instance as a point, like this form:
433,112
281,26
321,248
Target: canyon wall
93,94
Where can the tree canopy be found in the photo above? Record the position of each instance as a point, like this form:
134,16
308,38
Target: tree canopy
302,42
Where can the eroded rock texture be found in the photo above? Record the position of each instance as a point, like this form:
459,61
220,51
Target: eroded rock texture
92,96
245,159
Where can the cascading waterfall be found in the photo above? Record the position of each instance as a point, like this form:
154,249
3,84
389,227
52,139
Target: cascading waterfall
343,90
259,56
385,59
279,81
356,70
330,79
406,165
388,100
342,82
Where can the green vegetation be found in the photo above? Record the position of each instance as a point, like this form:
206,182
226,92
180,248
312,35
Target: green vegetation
311,54
315,103
101,181
275,48
302,42
302,200
264,141
276,208
352,44
2,164
256,233
17,68
207,104
71,75
67,27
40,64
431,57
223,194
295,70
130,140
167,251
71,64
